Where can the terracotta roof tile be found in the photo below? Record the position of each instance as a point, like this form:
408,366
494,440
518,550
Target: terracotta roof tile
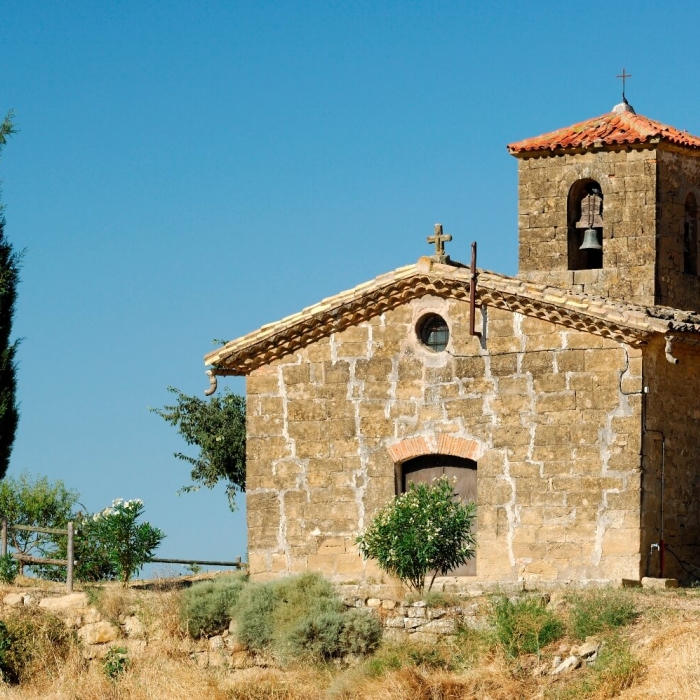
611,129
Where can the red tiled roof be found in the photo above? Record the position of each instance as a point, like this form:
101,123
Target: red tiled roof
611,129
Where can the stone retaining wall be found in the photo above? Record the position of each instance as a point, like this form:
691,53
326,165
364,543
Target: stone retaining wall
96,633
414,620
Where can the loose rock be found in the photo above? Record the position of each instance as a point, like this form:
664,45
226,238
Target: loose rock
13,599
648,582
64,602
588,649
133,627
540,670
98,633
568,664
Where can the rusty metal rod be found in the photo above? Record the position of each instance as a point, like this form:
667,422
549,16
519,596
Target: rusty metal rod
472,292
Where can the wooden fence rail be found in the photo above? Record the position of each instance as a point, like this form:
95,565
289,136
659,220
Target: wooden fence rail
236,563
69,563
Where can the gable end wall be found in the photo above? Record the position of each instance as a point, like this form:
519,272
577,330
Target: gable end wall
555,414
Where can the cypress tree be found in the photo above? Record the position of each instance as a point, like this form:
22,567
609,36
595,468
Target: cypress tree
9,277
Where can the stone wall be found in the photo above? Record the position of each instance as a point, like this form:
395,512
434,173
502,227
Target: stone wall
672,413
95,633
628,181
553,416
679,174
415,620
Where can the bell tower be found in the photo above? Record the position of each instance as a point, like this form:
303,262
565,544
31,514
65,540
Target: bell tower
608,207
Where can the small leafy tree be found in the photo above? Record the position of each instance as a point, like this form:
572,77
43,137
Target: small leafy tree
38,502
91,554
217,427
425,529
128,544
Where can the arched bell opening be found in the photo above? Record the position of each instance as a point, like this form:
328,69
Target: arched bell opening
690,235
585,225
423,469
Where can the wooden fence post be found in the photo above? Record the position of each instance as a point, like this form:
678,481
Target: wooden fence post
3,537
69,552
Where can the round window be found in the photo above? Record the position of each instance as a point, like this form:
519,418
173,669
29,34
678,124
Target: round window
433,332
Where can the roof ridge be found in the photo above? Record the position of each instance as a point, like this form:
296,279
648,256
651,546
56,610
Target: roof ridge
626,322
611,128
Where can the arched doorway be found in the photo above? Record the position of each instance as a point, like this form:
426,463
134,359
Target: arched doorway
423,469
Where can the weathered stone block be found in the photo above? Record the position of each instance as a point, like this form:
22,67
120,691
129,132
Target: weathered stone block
98,633
648,582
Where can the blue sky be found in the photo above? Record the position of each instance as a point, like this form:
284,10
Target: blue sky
187,171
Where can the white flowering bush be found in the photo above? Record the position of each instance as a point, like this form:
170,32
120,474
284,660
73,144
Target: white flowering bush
425,529
128,545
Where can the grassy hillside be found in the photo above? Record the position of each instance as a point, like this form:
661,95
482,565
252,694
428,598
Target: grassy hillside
648,646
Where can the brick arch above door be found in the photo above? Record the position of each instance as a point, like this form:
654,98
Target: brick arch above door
440,443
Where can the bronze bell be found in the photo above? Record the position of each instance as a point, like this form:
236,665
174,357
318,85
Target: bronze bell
591,219
590,240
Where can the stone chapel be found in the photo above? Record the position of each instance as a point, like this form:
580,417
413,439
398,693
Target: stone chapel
570,415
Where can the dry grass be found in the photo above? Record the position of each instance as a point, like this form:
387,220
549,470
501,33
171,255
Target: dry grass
274,684
492,681
658,657
150,677
115,603
671,659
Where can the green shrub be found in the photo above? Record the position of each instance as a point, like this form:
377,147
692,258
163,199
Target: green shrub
302,617
315,636
5,644
108,545
422,530
207,607
598,610
253,616
129,544
90,552
361,633
116,662
9,568
525,625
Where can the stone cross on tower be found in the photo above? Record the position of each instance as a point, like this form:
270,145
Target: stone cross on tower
439,239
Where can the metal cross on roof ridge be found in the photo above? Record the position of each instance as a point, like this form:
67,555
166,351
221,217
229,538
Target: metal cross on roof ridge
439,239
624,77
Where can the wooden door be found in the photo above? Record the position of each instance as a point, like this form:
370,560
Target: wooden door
422,470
